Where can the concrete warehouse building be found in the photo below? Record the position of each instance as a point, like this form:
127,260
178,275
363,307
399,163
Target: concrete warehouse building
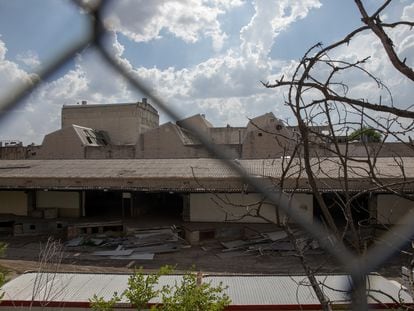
203,190
117,161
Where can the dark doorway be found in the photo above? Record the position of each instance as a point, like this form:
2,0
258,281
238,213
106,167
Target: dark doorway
133,204
336,202
103,204
162,204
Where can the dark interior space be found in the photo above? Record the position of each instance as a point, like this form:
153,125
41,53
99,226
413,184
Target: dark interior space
135,204
336,202
162,204
103,204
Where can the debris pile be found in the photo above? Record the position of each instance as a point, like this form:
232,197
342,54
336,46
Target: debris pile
134,244
268,242
144,244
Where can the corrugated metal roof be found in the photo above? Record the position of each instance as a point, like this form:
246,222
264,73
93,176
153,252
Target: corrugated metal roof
72,287
185,168
290,290
119,168
242,289
184,174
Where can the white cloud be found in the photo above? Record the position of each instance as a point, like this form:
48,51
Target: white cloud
270,19
225,87
367,44
29,58
236,72
186,19
408,12
90,80
11,75
3,51
227,4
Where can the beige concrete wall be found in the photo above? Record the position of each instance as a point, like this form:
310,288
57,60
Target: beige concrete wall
13,202
197,121
303,203
390,149
13,153
165,142
122,122
262,145
266,137
67,203
227,135
18,152
392,209
61,144
110,152
207,207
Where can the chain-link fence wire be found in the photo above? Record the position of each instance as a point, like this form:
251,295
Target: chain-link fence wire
357,266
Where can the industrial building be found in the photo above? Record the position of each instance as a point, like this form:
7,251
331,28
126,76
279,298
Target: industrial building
203,190
117,161
132,131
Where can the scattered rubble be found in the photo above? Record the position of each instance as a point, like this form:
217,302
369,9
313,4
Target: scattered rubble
133,244
143,244
268,242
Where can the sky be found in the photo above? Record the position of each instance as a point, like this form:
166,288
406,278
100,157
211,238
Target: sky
200,56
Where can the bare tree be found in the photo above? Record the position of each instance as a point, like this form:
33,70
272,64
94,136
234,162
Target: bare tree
316,91
46,282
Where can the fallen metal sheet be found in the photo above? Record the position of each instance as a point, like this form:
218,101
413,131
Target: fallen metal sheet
149,231
135,256
96,241
122,252
75,242
162,248
144,233
156,237
98,224
234,244
275,236
132,243
274,246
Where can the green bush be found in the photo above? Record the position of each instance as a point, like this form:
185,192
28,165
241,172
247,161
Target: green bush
188,295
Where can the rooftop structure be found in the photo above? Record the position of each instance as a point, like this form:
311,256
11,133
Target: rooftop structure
123,122
132,130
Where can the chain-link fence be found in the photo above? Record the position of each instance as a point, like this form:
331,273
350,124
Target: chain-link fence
357,266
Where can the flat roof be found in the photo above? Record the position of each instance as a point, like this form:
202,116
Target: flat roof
80,105
267,292
143,105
